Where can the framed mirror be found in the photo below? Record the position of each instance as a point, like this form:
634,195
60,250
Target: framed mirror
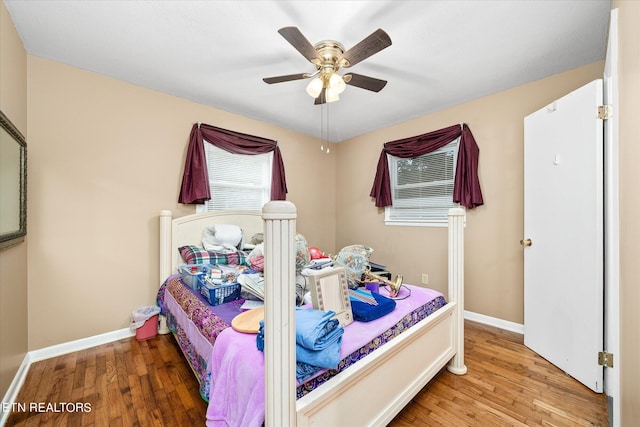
13,184
330,292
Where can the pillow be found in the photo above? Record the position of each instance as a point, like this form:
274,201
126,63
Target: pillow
222,237
196,255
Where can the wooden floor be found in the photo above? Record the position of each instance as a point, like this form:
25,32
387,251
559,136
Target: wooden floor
131,383
506,385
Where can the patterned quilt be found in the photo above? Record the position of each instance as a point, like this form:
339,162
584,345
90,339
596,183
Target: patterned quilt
196,326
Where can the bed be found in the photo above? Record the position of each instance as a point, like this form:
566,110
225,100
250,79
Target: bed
396,370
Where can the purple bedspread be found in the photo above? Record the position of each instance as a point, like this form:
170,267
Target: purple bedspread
195,324
237,387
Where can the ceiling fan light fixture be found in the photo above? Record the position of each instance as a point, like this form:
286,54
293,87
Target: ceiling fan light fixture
315,87
336,83
331,95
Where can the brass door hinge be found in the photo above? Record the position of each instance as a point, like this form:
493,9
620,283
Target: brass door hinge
605,359
605,112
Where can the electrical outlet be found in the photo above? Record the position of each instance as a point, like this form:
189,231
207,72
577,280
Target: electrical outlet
425,279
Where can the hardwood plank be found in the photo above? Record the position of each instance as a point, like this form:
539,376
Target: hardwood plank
149,383
139,360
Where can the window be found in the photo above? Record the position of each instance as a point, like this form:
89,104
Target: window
422,187
237,181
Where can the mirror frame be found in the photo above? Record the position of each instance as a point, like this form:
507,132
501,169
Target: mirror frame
13,237
330,292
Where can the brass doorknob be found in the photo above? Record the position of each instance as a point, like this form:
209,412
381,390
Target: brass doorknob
525,242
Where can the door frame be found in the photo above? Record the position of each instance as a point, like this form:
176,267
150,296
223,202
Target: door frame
612,225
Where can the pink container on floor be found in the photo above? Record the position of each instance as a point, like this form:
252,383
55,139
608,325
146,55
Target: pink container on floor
148,330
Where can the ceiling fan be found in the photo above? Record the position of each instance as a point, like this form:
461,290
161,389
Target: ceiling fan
329,56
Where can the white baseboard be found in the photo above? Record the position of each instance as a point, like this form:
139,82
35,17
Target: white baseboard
15,386
81,344
53,351
494,321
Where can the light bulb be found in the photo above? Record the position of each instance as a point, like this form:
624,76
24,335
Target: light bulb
336,82
331,95
314,87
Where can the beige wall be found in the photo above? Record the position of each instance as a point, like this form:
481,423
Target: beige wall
13,260
105,158
629,91
493,256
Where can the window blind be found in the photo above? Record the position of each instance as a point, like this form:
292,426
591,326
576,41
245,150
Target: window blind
422,187
237,181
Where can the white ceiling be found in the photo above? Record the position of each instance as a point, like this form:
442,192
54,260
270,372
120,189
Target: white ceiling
217,52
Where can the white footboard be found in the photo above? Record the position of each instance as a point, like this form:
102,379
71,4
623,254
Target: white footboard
385,380
375,389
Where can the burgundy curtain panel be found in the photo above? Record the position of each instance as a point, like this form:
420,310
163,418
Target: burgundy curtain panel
466,189
195,181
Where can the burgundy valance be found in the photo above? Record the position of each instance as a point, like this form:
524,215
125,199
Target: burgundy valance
466,189
195,181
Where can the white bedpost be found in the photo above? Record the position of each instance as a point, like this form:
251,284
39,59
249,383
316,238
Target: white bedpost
456,286
165,258
279,313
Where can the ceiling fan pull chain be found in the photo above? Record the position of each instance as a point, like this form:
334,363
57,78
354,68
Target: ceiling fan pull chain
321,129
327,132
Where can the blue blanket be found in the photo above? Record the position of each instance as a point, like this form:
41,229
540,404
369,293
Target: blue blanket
315,329
318,341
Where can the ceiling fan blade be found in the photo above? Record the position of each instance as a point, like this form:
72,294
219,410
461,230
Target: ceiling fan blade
364,82
371,45
287,78
300,42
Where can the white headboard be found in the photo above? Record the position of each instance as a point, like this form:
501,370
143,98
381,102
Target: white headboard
187,230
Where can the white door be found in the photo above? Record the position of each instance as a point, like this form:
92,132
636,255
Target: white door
563,222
